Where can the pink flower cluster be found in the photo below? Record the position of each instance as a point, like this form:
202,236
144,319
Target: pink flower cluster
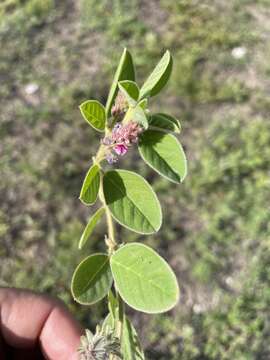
121,138
120,106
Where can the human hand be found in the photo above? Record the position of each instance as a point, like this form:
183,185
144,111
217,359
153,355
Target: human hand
36,327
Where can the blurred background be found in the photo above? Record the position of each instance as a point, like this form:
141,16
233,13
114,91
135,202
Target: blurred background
215,234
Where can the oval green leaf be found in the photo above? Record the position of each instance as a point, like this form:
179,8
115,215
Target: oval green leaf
92,279
93,221
94,113
90,187
139,116
158,78
132,201
163,153
125,71
130,90
164,122
144,279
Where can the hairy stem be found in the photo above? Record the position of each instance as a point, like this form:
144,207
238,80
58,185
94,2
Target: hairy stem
112,244
111,231
110,238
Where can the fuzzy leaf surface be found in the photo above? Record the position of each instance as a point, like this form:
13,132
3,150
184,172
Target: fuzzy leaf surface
93,221
163,153
158,78
125,71
165,122
132,201
144,279
137,114
94,113
90,187
130,90
92,279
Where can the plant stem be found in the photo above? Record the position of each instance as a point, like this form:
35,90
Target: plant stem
111,233
112,244
110,239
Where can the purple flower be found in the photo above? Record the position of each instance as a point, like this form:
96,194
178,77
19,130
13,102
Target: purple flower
126,134
121,149
116,127
106,141
120,106
121,138
111,158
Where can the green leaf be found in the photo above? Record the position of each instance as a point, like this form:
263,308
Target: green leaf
164,122
158,78
108,322
163,153
144,279
90,187
137,114
130,344
132,201
130,90
94,113
125,71
143,104
92,279
93,221
113,304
